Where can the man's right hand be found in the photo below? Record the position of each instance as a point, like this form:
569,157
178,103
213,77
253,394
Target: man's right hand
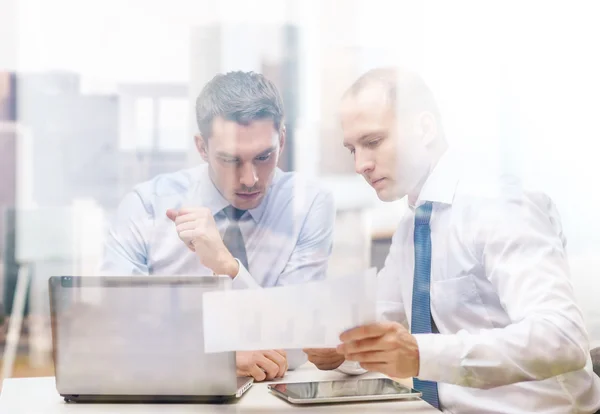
324,358
261,365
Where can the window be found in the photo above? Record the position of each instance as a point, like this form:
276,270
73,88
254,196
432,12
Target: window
143,124
173,119
154,118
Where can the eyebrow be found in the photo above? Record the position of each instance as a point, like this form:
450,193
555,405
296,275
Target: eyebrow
370,135
225,155
266,152
262,154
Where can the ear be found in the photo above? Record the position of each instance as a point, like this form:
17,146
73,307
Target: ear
282,139
201,146
427,128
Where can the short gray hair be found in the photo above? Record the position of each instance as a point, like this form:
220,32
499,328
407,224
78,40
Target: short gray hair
238,96
406,90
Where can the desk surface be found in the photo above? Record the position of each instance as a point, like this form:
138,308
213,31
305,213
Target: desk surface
38,395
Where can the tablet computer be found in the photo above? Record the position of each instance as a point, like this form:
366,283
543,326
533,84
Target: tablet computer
347,390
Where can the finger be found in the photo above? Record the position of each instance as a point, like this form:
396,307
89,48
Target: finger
319,351
282,369
283,353
381,343
328,364
366,331
190,225
275,356
379,357
195,212
270,367
185,217
320,360
188,236
376,367
188,210
257,373
279,359
326,360
172,214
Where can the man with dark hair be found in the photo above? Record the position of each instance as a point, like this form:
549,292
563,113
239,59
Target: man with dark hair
236,215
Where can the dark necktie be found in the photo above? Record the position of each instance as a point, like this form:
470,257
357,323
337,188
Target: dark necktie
421,321
233,239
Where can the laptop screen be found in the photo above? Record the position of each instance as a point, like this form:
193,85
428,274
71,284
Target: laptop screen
138,335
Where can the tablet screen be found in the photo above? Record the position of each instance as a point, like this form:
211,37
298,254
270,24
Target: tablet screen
344,388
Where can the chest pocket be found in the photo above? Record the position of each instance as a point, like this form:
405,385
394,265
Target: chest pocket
456,305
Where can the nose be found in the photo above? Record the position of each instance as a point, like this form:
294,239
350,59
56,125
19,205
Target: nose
248,175
362,162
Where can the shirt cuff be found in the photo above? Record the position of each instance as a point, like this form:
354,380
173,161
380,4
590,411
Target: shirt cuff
351,368
243,279
439,358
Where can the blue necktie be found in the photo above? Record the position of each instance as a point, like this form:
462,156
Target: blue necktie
421,306
233,238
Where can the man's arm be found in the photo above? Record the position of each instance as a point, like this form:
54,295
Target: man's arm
125,250
390,307
525,260
308,261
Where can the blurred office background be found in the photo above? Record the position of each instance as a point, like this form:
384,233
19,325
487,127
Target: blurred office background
96,96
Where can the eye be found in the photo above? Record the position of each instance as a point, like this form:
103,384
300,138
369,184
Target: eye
263,158
351,150
373,143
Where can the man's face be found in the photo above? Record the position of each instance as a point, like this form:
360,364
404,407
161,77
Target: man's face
387,151
242,159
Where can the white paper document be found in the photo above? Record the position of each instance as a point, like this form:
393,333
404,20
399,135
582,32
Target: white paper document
310,315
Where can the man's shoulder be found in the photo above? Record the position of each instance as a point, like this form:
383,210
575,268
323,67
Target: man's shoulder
503,199
491,187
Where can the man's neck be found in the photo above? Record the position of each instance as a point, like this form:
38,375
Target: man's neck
436,154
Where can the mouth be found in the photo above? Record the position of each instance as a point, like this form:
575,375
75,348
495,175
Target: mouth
378,183
248,196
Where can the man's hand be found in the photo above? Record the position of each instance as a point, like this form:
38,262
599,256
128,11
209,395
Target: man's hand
324,358
196,227
385,347
261,365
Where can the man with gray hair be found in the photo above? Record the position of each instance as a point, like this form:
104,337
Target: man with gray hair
236,215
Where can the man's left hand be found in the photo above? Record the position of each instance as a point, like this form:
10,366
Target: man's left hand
196,227
385,347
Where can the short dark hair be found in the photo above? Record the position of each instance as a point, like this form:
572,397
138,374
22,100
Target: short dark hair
238,96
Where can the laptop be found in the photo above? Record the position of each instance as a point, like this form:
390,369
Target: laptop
137,339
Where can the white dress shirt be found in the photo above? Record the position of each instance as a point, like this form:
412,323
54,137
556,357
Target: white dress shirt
512,339
288,237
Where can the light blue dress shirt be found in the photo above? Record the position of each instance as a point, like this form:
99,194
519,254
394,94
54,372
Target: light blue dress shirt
288,237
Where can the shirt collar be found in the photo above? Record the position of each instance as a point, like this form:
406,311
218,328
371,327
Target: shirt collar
441,183
212,198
